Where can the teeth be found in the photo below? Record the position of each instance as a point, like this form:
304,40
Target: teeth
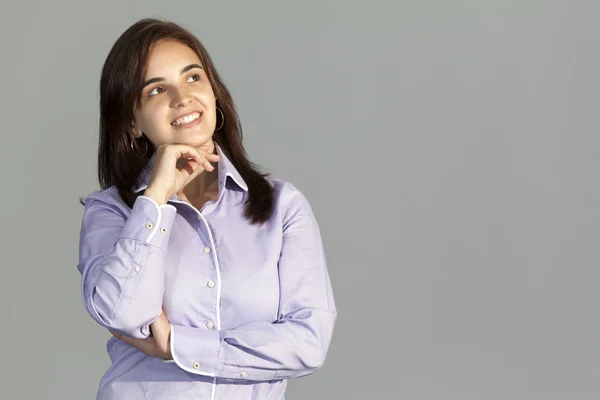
186,119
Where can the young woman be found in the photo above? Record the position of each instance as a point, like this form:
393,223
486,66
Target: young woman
210,274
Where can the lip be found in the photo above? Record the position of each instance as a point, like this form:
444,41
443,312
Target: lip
193,123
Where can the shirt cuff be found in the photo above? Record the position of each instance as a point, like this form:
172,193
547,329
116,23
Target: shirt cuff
195,350
150,222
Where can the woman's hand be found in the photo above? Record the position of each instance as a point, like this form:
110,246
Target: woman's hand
158,344
175,166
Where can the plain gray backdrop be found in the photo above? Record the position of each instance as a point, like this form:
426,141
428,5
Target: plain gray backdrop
450,151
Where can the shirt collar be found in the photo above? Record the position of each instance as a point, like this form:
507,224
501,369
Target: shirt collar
224,166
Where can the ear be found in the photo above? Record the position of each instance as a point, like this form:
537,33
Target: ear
135,131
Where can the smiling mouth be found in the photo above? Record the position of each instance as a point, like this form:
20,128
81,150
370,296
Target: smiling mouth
188,119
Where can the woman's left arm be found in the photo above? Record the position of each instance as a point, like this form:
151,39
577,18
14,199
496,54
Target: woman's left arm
296,344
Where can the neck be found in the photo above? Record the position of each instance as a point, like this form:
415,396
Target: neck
203,185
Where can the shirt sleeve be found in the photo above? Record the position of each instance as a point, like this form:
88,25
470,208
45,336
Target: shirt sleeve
293,346
121,261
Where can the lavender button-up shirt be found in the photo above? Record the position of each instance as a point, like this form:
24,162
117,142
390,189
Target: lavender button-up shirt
249,306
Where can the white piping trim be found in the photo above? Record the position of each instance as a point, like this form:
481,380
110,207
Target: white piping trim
214,389
180,364
235,180
155,227
142,187
150,199
230,174
212,242
94,308
214,251
159,212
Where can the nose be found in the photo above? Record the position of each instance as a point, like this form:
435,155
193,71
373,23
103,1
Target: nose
180,98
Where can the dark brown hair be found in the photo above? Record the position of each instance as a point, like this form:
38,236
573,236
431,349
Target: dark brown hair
121,86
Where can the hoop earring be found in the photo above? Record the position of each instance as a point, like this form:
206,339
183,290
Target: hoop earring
222,119
133,149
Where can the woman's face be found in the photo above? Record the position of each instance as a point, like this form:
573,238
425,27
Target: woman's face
177,103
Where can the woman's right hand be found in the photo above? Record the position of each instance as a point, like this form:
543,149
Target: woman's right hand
167,178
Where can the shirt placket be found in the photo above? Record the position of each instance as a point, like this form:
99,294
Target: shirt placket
210,277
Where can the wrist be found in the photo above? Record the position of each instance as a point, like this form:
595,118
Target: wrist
158,196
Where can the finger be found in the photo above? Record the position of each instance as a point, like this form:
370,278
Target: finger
190,166
205,151
192,162
212,157
211,160
196,155
208,166
184,151
202,151
204,161
202,158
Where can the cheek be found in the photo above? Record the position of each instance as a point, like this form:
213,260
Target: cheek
205,94
207,100
152,122
154,112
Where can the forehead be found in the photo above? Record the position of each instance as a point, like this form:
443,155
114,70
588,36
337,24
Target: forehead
166,55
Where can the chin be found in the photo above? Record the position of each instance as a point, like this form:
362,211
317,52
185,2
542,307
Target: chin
198,140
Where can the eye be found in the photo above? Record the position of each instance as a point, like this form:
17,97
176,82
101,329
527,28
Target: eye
156,91
194,78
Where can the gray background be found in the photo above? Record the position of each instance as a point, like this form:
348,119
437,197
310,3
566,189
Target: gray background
449,149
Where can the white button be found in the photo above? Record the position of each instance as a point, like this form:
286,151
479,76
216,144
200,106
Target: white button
163,230
149,225
137,269
244,374
196,365
210,325
211,284
207,250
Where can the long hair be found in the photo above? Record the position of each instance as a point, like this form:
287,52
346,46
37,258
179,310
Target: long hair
121,86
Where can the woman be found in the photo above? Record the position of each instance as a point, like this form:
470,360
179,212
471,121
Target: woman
210,275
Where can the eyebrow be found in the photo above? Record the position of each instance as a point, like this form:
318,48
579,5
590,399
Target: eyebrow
183,71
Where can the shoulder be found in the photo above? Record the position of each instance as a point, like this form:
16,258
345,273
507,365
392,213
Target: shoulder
289,199
284,191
